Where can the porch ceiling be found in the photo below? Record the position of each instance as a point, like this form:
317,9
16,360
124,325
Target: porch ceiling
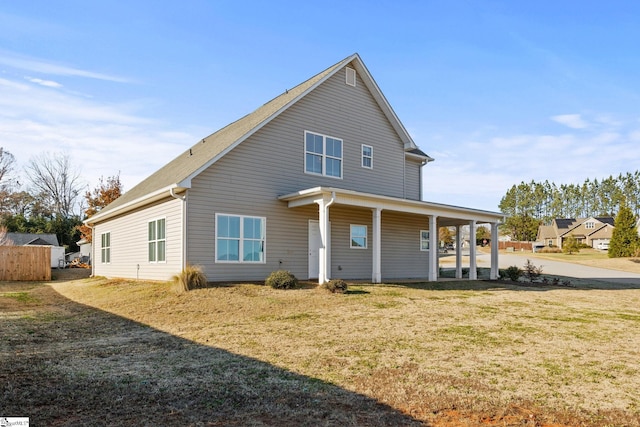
448,215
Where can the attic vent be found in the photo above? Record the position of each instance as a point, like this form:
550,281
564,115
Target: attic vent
351,77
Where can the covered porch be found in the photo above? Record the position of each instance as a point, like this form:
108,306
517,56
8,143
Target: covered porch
435,215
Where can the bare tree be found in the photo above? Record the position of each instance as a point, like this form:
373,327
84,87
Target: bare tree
7,162
53,177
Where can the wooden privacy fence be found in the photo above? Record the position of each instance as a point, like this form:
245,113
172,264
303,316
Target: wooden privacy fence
29,263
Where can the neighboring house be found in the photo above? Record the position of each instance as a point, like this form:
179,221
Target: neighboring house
39,239
323,181
591,231
84,254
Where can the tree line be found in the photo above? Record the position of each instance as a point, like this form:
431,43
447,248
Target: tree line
47,197
531,204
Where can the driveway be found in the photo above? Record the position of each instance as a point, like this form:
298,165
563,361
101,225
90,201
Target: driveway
559,268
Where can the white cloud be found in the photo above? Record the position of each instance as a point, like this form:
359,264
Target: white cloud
21,62
482,169
574,121
102,139
47,83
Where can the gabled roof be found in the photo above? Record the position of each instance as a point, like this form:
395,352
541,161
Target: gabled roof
546,232
599,223
23,239
176,175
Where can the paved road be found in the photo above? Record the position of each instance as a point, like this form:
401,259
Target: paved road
563,268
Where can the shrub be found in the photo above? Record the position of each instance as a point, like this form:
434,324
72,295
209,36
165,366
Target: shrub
337,286
513,273
550,250
531,271
190,278
281,279
571,245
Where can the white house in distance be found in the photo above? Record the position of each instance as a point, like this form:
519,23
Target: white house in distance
323,181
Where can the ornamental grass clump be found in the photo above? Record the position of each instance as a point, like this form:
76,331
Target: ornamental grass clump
190,278
336,286
281,279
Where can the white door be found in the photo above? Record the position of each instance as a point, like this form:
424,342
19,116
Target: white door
315,243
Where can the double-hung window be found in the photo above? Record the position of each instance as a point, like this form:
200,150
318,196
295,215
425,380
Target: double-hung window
240,238
367,156
424,240
322,155
105,248
358,236
157,240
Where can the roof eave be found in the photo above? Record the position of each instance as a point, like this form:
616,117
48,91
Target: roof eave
135,204
309,196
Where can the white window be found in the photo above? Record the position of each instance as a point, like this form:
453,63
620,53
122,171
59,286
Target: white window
105,248
359,236
157,240
589,224
322,155
240,238
424,240
367,156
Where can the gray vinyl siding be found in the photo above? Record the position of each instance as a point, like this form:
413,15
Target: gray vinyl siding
347,262
401,254
129,243
412,180
249,179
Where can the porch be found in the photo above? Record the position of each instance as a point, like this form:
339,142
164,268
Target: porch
435,215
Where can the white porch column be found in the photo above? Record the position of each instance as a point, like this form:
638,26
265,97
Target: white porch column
473,273
324,259
458,252
433,249
376,276
494,251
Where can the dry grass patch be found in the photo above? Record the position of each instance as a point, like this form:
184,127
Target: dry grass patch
446,353
591,258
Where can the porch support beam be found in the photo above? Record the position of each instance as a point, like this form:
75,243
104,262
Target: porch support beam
324,259
376,276
494,251
473,273
458,252
433,249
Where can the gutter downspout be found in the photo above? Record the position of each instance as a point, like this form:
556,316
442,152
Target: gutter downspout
182,198
325,250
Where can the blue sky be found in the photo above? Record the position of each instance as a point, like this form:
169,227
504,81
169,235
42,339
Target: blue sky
497,92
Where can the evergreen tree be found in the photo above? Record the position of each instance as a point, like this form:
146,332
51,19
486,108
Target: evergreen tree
624,240
570,245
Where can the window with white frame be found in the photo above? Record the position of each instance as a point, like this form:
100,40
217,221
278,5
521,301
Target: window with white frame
424,240
240,238
589,224
358,236
367,156
105,248
157,240
322,155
